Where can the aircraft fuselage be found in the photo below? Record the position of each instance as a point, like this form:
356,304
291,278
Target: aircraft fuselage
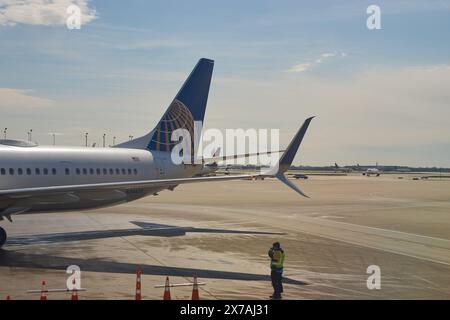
42,166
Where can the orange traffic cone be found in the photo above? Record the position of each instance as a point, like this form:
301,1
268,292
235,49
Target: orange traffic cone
74,291
195,295
8,297
138,284
43,292
167,290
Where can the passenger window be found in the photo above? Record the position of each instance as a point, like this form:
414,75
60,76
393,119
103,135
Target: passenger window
37,171
28,171
117,171
135,171
67,170
124,171
78,171
53,171
111,171
45,171
105,171
129,171
11,171
20,171
98,171
84,171
2,171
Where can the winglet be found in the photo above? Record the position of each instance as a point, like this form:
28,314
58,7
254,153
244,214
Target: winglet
289,155
291,151
290,184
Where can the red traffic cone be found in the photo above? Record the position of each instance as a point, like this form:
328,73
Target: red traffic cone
167,290
43,292
74,291
138,284
195,294
8,297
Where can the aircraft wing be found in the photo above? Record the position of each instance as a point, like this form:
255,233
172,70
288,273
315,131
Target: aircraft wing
30,192
15,199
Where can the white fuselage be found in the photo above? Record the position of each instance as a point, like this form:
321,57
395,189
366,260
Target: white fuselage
42,166
372,171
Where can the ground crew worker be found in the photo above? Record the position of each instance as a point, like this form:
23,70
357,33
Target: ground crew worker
276,255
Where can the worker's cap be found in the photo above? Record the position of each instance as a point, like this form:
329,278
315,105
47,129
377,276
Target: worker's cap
276,244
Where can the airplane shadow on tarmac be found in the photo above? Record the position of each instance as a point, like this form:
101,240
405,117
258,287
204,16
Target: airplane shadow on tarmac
11,258
145,229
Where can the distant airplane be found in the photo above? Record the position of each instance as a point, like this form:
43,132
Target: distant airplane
342,169
36,179
210,168
372,171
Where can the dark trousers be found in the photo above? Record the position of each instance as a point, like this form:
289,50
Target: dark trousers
277,282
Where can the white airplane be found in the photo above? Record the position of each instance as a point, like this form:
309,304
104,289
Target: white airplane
372,171
338,168
36,179
211,167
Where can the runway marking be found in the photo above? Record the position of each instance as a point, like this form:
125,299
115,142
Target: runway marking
436,250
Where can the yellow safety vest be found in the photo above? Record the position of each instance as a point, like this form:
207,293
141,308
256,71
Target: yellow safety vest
277,259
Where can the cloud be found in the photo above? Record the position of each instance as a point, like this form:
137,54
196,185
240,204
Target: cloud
328,54
42,12
302,67
17,98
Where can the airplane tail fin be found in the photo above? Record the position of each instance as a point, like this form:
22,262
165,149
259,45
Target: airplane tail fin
215,155
185,112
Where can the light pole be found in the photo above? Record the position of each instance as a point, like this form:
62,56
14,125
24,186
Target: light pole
114,141
4,131
104,138
54,139
86,137
130,137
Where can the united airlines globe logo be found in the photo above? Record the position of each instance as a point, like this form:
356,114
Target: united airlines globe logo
177,117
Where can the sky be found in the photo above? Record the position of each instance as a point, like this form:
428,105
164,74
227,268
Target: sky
378,95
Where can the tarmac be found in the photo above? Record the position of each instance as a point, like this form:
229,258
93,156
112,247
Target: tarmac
222,231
